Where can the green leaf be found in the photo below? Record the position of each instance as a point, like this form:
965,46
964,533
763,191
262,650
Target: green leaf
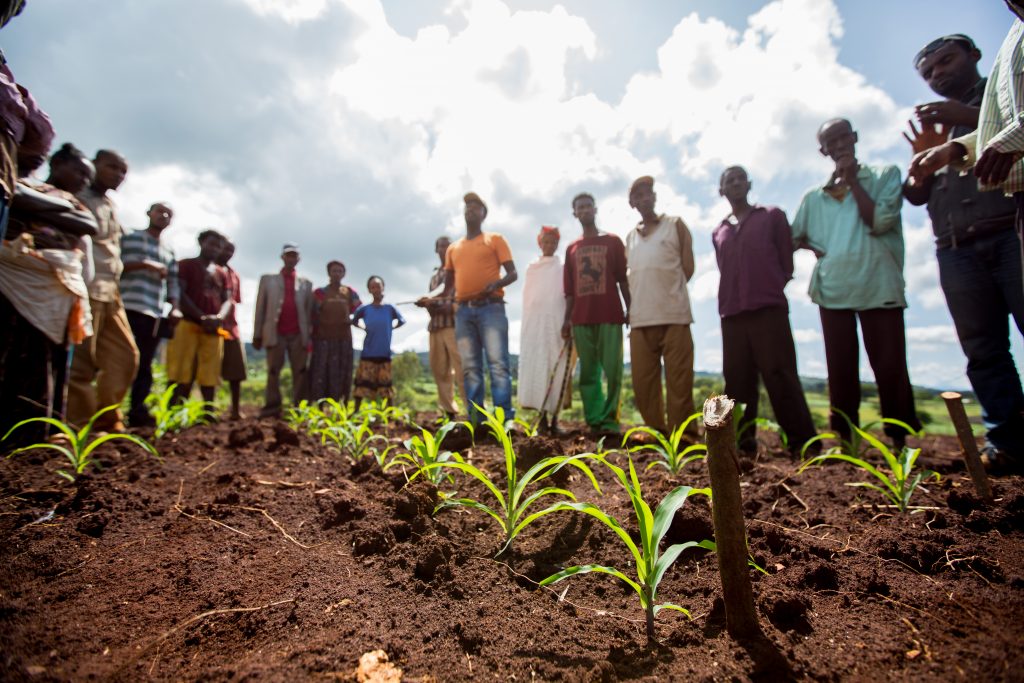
588,568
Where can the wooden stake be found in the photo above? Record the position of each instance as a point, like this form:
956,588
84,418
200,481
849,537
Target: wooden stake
727,513
958,415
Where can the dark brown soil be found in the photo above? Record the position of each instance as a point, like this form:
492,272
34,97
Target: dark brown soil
250,553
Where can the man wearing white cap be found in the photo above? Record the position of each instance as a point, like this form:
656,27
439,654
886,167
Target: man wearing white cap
283,305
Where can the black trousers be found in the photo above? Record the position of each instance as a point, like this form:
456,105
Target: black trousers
885,342
760,342
144,329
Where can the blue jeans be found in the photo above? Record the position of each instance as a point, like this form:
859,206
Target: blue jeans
480,330
983,287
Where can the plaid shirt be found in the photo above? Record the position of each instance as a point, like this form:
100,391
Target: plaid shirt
143,291
442,313
1001,122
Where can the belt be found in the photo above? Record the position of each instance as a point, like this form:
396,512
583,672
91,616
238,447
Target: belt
474,303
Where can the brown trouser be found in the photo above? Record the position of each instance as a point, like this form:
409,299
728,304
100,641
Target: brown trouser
292,346
446,365
109,357
647,347
885,341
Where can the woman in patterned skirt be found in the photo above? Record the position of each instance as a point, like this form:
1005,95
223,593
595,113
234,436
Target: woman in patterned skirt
330,371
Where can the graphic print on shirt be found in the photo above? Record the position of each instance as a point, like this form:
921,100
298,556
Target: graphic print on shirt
591,265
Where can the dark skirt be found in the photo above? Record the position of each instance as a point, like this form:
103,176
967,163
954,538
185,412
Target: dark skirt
373,379
330,369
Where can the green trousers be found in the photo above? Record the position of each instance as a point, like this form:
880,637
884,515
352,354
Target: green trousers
600,350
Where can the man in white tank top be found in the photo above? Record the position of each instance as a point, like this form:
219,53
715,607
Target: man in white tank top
659,263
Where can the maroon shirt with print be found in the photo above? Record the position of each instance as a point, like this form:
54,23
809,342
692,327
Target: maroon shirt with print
593,268
207,286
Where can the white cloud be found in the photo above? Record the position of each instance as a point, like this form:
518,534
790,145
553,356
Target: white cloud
757,97
291,11
931,337
806,335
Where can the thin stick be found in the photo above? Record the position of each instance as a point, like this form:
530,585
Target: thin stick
209,613
955,406
727,514
279,527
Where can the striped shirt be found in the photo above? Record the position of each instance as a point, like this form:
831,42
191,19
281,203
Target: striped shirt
1001,122
442,312
144,291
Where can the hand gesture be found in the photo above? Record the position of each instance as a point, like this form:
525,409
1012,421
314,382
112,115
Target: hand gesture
423,301
993,167
846,170
926,163
567,330
947,113
930,135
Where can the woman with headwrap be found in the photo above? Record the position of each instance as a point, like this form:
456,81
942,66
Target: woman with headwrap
543,354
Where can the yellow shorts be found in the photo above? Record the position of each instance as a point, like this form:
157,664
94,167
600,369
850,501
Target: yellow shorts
193,355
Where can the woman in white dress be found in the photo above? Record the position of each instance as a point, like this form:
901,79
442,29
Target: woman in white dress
541,347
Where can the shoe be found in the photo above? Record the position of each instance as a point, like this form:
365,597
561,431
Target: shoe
999,463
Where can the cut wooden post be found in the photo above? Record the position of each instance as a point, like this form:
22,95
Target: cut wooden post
727,513
955,406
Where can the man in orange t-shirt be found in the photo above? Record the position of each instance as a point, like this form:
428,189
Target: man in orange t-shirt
473,268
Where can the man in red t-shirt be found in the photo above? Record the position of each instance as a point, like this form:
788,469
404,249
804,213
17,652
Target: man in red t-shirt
593,278
194,354
284,303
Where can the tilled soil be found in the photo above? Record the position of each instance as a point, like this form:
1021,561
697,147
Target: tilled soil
249,552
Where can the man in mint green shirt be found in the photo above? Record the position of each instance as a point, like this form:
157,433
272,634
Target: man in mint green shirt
853,225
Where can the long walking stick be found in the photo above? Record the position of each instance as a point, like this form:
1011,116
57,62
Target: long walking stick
566,349
565,382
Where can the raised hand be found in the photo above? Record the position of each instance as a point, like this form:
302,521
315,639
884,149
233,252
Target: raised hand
930,135
947,113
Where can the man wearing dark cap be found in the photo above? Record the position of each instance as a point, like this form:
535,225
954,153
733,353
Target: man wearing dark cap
977,248
853,225
473,268
659,259
284,301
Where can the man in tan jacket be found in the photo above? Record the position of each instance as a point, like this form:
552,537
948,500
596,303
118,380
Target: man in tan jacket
283,305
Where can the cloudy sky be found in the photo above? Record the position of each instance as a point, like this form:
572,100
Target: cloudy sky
354,127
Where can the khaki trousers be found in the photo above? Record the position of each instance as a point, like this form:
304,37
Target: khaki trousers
292,346
109,357
648,346
446,365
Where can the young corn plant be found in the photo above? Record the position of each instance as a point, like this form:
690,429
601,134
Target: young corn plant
307,416
761,423
357,438
897,484
651,562
512,500
673,458
80,447
425,451
172,418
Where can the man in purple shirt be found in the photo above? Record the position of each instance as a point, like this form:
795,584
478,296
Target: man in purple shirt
754,248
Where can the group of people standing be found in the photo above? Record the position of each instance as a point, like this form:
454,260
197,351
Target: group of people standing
84,304
851,223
